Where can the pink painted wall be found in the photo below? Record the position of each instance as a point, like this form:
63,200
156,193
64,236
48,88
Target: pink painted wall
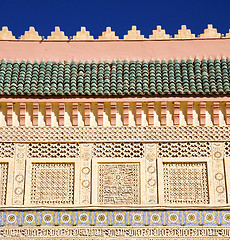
114,50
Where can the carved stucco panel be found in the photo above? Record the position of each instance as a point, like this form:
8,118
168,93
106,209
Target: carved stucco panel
85,173
151,173
19,173
219,184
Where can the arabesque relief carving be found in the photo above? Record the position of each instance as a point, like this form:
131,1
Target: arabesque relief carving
119,183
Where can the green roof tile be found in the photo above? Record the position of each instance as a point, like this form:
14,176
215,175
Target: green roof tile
115,78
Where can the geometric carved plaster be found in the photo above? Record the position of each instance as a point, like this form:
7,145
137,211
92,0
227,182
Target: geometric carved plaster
118,150
115,134
53,150
52,183
185,183
184,149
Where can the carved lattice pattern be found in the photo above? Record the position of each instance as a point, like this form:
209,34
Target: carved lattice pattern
184,149
185,183
112,150
118,183
6,150
227,149
53,150
114,134
52,183
3,181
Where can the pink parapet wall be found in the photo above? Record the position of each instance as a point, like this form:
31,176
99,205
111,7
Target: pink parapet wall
114,50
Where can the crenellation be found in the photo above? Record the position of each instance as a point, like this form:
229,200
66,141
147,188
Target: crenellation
57,35
5,34
31,35
109,35
134,34
184,33
83,35
159,34
210,32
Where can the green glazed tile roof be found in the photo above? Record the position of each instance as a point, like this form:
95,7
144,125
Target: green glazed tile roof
115,78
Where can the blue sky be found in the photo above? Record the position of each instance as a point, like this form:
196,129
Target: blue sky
96,15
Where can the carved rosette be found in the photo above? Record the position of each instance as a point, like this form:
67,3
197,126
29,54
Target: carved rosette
85,174
218,172
151,173
19,173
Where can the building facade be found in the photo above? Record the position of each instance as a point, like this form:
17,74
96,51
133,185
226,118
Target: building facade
115,138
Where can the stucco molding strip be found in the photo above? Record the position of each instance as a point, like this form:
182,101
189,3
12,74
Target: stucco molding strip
112,99
117,207
88,134
116,232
